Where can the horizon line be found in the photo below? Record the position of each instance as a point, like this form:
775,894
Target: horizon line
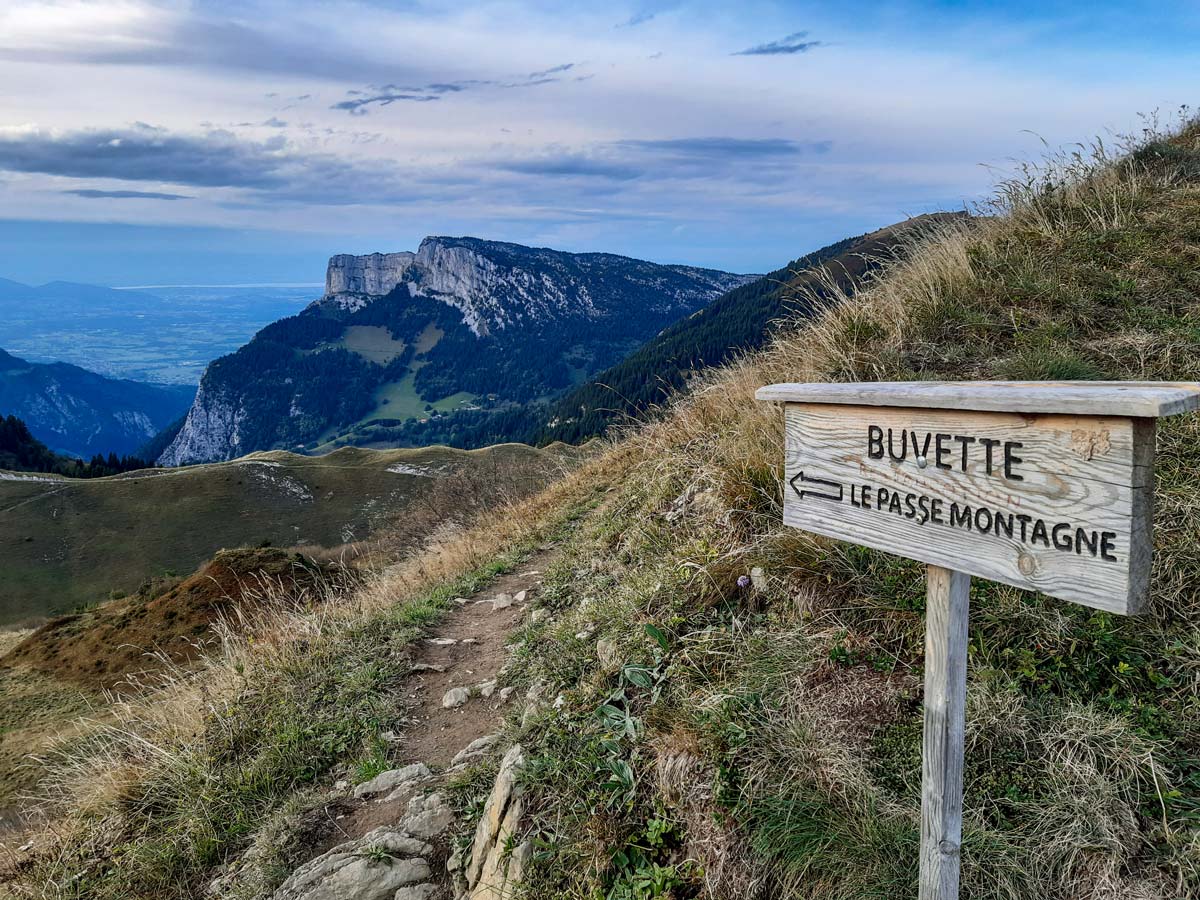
265,284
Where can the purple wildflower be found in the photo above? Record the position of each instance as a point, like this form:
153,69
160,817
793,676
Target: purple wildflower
743,581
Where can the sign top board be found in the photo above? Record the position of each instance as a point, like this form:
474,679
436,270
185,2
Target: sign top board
1136,399
1047,486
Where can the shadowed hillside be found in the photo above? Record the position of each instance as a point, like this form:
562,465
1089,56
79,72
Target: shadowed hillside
704,703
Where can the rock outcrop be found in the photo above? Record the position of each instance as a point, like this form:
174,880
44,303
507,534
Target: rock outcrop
496,285
351,281
212,430
391,862
494,868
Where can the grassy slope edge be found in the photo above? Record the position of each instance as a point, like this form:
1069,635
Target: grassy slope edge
731,741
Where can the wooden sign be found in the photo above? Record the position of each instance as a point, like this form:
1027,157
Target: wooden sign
1047,486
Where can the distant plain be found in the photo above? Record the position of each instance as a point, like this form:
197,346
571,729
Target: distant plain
162,334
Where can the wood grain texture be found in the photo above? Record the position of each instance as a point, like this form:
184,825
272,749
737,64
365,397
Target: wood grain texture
1139,399
946,612
1084,475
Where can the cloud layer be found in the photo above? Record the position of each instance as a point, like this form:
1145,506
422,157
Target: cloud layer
670,130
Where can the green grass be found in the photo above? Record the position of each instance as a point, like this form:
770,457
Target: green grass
788,722
72,542
373,343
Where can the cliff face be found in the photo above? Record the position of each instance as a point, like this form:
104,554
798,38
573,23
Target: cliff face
462,316
212,430
351,281
497,285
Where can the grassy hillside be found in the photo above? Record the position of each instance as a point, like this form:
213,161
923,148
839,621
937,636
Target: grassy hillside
726,737
72,542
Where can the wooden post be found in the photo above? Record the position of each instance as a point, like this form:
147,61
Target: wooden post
947,601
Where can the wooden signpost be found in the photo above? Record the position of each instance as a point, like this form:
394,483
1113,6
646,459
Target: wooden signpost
1047,486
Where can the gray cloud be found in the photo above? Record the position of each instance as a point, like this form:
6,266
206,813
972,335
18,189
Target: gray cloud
93,194
635,20
146,153
387,94
553,70
686,158
359,101
727,148
358,106
214,159
559,163
793,43
278,172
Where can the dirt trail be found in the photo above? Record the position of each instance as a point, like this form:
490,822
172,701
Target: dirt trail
434,734
479,633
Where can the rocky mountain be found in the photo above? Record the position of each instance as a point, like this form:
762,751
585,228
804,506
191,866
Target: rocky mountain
81,413
738,321
460,323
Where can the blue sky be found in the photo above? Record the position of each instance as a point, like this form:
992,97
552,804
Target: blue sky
162,141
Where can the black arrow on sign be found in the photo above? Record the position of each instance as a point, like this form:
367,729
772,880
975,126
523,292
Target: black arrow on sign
799,476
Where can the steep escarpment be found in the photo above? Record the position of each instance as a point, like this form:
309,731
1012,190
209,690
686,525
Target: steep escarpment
353,281
461,323
739,321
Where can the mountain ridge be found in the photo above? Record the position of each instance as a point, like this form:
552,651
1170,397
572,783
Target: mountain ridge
463,322
738,321
81,413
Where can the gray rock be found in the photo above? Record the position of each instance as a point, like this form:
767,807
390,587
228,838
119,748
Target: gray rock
487,871
416,892
427,817
759,579
519,596
538,615
608,654
391,779
486,688
506,693
404,792
477,747
349,278
456,697
373,867
502,601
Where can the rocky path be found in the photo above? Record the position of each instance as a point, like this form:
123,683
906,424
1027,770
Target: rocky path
387,839
456,666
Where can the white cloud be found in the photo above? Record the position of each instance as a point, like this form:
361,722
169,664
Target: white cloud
670,126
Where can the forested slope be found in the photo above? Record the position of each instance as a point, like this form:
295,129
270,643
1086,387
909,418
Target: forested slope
736,322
